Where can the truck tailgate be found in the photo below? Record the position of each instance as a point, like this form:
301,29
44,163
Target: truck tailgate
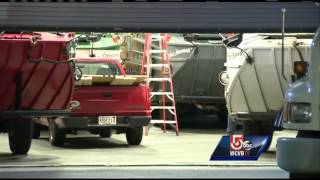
112,100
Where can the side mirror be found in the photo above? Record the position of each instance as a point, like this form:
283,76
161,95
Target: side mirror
78,73
232,39
93,37
223,78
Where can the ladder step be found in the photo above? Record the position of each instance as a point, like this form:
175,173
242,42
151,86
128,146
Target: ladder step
162,107
159,79
161,52
157,51
157,65
157,37
153,121
161,93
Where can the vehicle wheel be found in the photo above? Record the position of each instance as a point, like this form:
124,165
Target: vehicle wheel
134,135
105,133
259,128
35,131
298,176
56,135
250,128
20,136
182,109
223,118
94,131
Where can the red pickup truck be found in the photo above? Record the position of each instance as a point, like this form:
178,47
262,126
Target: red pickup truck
125,108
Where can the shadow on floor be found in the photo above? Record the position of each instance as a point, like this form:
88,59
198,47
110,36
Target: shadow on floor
93,143
8,158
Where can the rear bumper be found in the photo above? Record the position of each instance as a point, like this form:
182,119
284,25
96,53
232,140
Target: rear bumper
201,99
250,116
299,155
92,122
34,113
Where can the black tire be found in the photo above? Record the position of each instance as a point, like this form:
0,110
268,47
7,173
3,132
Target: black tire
259,128
250,128
56,135
35,131
20,136
105,133
223,118
94,131
303,176
134,135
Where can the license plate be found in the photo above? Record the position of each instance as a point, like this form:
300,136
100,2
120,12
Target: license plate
107,120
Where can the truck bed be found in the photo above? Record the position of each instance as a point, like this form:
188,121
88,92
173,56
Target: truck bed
110,94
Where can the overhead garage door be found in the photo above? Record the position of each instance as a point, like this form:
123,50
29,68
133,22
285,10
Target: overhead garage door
165,16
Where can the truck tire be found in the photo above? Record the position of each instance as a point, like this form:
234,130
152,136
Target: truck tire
105,133
134,135
259,128
303,176
20,136
56,135
250,128
35,131
223,118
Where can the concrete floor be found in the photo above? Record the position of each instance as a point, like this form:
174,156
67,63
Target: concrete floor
192,147
160,155
144,172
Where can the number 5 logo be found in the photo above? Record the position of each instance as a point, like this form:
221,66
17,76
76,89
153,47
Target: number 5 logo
236,142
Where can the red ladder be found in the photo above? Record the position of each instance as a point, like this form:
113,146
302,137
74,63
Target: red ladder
164,67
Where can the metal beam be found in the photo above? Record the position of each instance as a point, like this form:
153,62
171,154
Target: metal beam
207,16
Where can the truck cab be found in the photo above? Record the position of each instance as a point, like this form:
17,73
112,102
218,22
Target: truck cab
300,156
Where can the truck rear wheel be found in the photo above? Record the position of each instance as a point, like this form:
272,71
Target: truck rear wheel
56,135
223,118
35,131
259,128
105,133
298,176
134,135
20,136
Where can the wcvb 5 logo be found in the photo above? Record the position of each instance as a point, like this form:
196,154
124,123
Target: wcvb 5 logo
238,146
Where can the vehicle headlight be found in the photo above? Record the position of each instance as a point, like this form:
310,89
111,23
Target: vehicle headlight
300,112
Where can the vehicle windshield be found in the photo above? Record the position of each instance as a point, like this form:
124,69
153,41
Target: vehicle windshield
99,68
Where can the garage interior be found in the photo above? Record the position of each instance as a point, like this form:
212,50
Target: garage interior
117,29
